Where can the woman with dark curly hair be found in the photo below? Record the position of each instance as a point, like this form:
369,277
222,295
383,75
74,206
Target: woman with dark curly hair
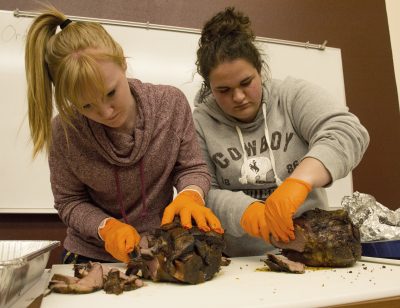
271,145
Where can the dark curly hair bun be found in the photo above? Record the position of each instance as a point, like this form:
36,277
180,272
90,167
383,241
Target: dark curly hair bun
227,23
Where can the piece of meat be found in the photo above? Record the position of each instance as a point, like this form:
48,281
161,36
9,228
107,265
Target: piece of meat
116,282
175,254
91,282
323,238
93,276
58,278
279,263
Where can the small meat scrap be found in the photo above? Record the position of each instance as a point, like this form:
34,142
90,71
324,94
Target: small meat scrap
117,282
180,255
94,276
279,263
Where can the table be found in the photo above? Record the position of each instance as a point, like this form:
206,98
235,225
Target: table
246,283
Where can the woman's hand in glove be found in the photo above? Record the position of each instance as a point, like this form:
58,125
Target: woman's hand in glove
189,204
282,204
119,238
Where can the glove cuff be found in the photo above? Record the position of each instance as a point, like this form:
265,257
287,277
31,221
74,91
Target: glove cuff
307,185
106,225
194,194
101,226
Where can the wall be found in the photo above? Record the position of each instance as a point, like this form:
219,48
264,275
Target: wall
358,28
393,13
150,61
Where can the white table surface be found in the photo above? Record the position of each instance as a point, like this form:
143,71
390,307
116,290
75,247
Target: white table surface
242,285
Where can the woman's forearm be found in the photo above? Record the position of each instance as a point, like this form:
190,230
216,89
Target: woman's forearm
312,171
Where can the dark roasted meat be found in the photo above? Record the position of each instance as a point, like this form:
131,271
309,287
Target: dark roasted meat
116,282
323,238
175,254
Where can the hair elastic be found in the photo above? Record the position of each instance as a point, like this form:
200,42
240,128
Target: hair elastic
65,23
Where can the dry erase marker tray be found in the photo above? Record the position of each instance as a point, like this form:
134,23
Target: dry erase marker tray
22,263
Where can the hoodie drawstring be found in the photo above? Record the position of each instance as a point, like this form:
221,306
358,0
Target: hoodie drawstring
243,178
143,212
271,155
120,197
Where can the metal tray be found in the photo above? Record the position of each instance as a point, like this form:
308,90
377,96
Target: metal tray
22,263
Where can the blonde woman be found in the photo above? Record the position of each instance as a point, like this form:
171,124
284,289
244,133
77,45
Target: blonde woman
117,147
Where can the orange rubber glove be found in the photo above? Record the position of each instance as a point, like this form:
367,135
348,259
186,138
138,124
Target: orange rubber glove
282,204
253,221
119,239
188,204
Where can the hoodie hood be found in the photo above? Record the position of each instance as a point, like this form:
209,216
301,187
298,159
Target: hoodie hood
118,148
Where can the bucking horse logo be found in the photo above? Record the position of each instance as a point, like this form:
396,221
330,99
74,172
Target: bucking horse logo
253,166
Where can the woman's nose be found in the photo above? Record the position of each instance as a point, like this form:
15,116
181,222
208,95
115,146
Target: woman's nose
106,110
238,95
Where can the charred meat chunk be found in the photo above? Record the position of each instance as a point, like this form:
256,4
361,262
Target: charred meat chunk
323,238
172,253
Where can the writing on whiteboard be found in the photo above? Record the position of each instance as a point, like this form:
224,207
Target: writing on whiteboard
10,34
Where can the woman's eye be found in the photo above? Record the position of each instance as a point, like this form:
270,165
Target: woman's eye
111,93
87,106
225,90
246,83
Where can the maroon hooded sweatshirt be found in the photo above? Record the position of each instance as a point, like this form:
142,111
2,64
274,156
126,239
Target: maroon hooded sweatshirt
94,171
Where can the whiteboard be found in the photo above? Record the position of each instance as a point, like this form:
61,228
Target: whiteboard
156,56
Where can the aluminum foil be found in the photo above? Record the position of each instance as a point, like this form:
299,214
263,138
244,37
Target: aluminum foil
376,222
22,263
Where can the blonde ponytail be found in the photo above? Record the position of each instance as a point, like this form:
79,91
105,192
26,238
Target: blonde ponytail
40,105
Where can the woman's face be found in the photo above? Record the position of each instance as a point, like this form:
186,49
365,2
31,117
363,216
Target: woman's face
116,108
236,86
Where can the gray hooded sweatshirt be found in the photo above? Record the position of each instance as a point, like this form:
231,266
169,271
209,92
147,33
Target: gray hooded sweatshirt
247,161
